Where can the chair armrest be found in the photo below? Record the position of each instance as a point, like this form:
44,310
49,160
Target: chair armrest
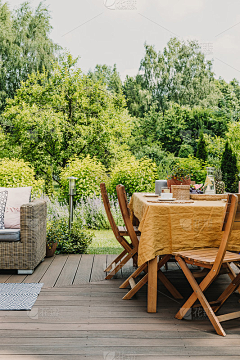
33,223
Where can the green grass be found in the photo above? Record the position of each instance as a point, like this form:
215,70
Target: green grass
104,242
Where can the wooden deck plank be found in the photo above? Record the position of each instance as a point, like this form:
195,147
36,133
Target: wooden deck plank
69,271
54,270
4,278
99,265
39,271
84,270
16,279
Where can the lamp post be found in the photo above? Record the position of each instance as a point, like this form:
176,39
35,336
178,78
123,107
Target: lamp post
72,192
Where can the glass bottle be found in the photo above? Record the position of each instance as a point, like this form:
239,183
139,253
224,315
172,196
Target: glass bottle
209,185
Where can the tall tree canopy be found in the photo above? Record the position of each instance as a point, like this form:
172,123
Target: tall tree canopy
179,74
65,115
108,76
25,46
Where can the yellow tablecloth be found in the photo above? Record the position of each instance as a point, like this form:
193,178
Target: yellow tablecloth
166,228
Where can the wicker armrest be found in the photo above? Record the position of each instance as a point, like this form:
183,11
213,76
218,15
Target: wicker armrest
33,221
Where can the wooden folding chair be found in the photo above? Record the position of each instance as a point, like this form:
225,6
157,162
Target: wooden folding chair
213,259
122,199
119,232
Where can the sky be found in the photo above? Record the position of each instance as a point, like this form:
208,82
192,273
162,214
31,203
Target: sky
114,31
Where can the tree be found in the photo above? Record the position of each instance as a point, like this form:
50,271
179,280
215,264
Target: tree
202,148
179,74
180,125
138,99
229,169
25,46
228,101
108,76
59,116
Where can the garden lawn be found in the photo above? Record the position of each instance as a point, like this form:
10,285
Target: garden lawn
104,242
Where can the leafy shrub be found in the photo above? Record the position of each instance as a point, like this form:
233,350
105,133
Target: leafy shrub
202,152
92,212
57,231
75,241
78,240
90,173
18,173
185,150
194,166
215,146
165,166
135,175
153,152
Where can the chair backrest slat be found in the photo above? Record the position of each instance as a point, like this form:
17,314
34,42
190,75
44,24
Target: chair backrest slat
111,220
230,213
123,203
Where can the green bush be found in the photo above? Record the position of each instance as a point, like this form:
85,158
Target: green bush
135,175
185,150
153,152
18,173
165,166
89,172
202,152
77,242
194,166
57,230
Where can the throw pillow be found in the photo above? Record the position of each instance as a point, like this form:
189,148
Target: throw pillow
3,200
15,199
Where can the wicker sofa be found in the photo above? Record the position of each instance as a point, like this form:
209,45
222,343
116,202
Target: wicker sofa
24,255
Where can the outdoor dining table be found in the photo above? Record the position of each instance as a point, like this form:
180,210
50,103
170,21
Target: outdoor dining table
168,227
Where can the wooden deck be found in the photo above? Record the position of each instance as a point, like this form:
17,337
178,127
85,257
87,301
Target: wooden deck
67,270
78,315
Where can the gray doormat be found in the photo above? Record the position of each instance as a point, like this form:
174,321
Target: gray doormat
18,296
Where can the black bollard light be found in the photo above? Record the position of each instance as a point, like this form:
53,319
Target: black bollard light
72,192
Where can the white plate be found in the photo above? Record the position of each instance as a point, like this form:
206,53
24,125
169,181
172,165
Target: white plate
172,199
151,195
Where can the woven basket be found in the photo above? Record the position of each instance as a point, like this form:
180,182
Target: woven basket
181,192
207,197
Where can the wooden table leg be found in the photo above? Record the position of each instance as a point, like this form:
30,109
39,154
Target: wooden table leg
152,286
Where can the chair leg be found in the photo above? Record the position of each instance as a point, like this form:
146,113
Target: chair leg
232,274
199,294
133,276
122,263
227,292
115,261
138,286
144,280
191,300
169,285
